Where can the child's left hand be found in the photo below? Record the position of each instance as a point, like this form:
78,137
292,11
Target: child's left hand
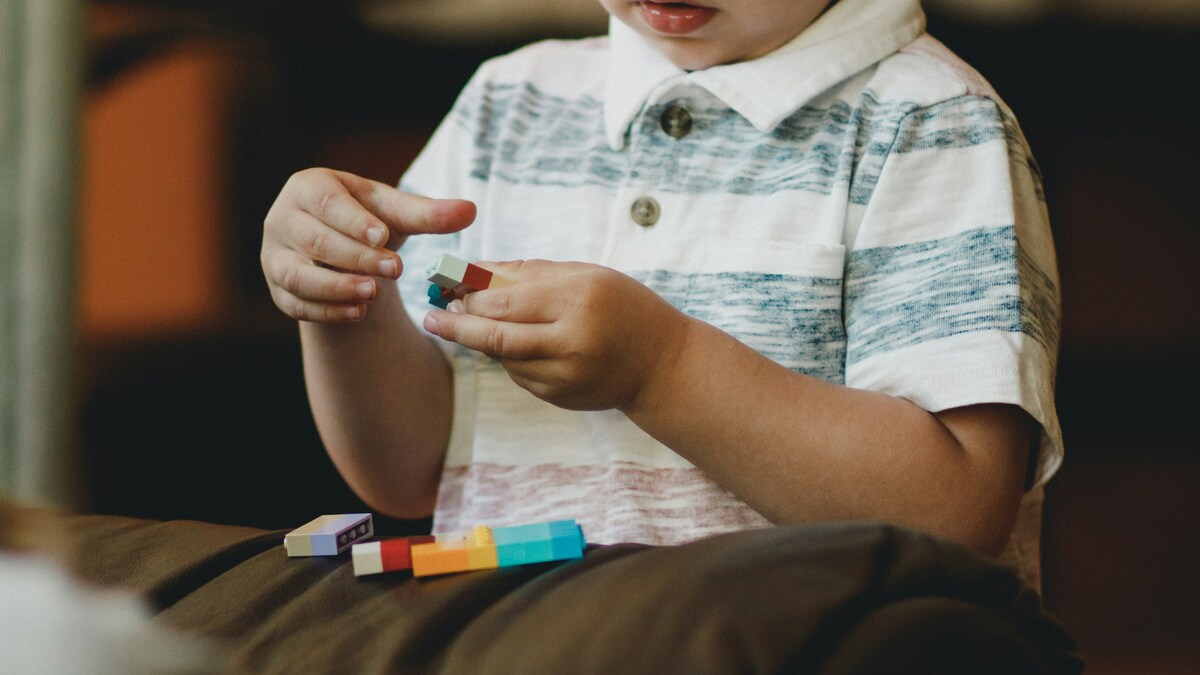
580,336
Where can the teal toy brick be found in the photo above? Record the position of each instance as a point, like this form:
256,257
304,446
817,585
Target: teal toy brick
538,542
439,297
566,540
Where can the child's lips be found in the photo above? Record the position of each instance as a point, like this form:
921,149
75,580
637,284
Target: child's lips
675,18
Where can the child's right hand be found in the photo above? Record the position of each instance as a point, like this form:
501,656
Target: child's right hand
331,236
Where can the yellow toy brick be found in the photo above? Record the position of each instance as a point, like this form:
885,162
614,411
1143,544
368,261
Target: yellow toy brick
481,551
458,552
484,548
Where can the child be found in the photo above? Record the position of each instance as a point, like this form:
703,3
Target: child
810,278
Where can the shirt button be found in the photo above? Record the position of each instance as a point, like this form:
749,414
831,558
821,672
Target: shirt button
676,121
645,211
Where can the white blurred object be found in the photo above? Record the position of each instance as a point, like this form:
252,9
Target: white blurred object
485,21
51,624
41,70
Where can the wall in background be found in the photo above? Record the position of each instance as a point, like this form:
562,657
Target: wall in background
155,230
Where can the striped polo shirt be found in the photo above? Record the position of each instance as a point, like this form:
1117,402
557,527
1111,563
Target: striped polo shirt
859,206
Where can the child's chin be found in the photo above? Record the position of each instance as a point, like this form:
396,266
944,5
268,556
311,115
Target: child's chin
692,55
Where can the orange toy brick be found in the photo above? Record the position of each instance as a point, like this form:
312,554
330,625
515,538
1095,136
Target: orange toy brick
460,552
440,558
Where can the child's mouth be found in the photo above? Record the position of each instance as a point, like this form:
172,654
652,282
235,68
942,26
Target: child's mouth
675,18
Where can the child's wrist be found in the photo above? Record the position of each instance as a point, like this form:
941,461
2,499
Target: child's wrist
667,372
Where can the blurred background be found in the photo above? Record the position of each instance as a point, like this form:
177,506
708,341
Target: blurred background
179,392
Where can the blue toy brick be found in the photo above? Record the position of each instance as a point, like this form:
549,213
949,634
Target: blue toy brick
438,296
538,542
324,545
329,535
563,528
524,553
518,534
568,543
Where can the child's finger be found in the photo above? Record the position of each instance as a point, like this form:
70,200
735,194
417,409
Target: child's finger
318,284
322,244
509,269
331,202
495,338
407,213
534,291
532,270
520,303
317,312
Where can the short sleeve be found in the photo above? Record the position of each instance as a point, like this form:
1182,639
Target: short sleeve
951,286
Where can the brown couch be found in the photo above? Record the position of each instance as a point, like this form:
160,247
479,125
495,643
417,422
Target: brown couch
828,599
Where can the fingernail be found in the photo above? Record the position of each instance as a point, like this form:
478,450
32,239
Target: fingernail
366,289
388,268
431,323
457,307
377,235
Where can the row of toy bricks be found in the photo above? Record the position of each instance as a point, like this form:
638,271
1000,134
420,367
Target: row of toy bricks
453,278
481,548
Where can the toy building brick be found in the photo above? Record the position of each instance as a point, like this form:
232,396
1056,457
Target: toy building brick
328,535
395,555
447,271
388,555
487,548
482,548
439,296
461,552
453,278
540,542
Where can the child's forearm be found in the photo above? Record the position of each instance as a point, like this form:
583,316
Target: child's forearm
796,448
380,391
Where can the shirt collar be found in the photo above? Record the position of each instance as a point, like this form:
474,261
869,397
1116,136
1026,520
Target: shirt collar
849,37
